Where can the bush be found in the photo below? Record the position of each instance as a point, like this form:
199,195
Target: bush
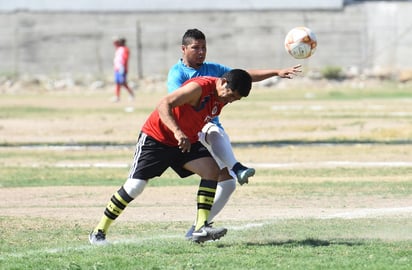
332,73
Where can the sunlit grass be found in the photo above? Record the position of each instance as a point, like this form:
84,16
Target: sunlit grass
336,148
299,244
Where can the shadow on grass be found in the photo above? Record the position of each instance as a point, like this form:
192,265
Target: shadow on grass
309,242
305,242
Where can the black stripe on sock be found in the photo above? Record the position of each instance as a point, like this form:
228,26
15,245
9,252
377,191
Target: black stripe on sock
109,214
116,202
206,193
204,206
124,195
208,183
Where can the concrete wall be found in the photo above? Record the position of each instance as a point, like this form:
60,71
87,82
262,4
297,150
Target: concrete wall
166,5
367,36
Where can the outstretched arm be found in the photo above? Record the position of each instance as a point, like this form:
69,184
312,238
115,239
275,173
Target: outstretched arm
263,74
187,94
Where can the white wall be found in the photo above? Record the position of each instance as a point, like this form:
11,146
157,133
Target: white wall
165,5
368,35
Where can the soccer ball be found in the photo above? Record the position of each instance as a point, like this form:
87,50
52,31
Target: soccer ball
300,42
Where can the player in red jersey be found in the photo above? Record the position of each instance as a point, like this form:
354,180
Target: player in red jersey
120,66
169,138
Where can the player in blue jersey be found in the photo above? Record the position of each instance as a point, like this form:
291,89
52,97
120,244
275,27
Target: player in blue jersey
192,64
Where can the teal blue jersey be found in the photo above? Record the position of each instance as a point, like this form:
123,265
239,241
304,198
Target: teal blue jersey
179,73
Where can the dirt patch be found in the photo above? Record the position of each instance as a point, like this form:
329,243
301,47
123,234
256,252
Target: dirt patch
89,117
178,204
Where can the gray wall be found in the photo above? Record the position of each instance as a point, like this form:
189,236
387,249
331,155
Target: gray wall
165,5
368,35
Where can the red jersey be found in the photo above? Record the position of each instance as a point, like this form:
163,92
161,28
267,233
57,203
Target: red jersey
121,58
190,119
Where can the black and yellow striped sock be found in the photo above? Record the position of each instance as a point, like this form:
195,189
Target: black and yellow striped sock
205,198
114,208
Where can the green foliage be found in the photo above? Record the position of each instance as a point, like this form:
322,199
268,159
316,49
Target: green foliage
332,73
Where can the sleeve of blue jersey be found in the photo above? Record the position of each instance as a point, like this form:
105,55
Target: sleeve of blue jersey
174,80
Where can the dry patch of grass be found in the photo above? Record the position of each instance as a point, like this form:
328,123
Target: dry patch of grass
64,117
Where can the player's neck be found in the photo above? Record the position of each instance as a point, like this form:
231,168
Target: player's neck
191,65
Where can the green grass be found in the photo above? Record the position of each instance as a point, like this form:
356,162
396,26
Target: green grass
329,114
35,112
291,243
383,90
346,180
41,177
284,244
361,124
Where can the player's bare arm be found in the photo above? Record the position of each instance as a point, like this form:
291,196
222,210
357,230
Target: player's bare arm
263,74
187,94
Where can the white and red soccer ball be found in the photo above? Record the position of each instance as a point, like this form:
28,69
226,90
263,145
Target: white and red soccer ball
301,42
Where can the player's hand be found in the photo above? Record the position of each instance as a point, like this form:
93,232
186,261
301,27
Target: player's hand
290,72
183,142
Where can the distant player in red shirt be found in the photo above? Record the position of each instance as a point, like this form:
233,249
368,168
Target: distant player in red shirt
120,64
169,138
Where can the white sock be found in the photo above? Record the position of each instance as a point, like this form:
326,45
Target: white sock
220,143
223,192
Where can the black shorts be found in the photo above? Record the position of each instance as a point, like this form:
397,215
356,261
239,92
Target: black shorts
152,158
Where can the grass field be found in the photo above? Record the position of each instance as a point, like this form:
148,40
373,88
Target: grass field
333,188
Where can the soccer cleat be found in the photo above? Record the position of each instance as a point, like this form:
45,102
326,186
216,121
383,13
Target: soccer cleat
207,233
243,173
189,233
98,238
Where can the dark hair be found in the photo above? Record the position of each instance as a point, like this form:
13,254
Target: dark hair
191,34
122,41
239,80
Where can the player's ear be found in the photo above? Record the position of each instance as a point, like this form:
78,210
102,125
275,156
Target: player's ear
223,82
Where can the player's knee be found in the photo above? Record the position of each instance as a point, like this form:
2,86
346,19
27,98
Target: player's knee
215,130
211,171
212,174
212,130
134,187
